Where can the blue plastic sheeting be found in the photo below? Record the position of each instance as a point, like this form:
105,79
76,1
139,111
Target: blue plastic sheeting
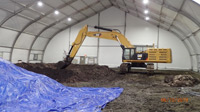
25,91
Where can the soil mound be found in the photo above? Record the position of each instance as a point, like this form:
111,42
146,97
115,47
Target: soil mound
73,73
181,80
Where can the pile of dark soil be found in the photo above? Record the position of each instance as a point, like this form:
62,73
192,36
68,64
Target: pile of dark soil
73,73
181,80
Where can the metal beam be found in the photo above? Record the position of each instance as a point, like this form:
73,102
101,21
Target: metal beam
69,27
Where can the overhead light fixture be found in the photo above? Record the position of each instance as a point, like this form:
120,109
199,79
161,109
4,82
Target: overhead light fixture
146,11
145,1
69,19
56,12
147,18
40,3
197,1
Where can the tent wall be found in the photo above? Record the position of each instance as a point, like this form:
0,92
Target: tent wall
138,32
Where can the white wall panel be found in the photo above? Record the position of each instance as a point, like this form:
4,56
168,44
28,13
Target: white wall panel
24,41
111,56
194,61
5,53
75,30
19,54
88,51
7,37
40,43
139,32
56,47
112,18
180,56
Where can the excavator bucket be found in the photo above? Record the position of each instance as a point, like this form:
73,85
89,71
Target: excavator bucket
67,62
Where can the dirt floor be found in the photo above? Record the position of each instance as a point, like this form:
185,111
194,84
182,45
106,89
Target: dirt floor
142,93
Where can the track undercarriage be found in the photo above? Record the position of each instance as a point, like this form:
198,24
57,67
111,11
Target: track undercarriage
126,67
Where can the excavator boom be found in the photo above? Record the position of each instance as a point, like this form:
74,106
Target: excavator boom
107,34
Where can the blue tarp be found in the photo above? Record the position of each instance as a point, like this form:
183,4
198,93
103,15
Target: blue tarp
25,91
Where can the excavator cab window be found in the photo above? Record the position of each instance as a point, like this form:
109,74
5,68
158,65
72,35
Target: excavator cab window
128,53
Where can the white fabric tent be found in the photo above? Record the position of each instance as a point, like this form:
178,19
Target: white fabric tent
30,27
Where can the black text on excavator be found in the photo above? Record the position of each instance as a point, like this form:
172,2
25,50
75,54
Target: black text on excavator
130,57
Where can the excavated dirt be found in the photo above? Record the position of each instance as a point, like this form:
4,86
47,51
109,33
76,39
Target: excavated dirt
142,93
73,73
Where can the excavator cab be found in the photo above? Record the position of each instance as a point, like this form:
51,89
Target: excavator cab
128,53
131,54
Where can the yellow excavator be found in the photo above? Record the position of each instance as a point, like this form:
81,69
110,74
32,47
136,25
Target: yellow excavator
130,57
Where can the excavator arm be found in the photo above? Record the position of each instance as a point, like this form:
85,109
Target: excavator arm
107,34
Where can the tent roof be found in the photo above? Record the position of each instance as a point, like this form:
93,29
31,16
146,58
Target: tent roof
26,17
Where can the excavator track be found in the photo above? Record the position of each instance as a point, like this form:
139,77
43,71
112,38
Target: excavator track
124,68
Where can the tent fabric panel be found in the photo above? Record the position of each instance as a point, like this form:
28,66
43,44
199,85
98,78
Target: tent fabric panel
167,20
195,44
174,3
197,35
25,2
40,43
68,10
46,20
7,37
169,14
49,32
191,25
106,3
190,46
98,7
192,9
181,26
9,5
66,1
60,25
54,3
16,22
78,5
24,38
4,15
55,17
30,14
155,7
34,28
89,2
88,12
41,9
177,32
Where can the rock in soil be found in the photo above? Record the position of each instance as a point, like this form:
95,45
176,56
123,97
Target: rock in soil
181,80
